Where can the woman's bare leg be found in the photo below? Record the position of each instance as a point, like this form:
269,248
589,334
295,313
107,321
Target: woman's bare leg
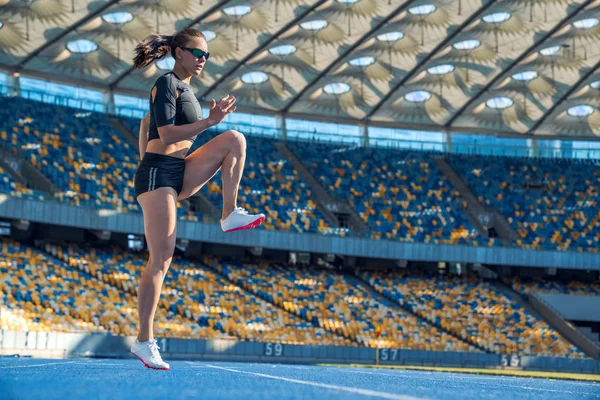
160,222
226,152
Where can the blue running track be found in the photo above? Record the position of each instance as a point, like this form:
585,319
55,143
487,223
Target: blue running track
128,379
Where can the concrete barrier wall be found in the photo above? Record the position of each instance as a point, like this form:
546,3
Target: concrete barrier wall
54,213
574,307
98,345
560,364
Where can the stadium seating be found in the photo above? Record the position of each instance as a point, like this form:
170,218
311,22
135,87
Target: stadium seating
193,291
78,151
92,165
525,286
551,203
272,186
339,304
94,170
474,310
400,194
269,185
69,288
43,294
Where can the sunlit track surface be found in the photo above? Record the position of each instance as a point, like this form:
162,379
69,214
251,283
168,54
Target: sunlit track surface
120,379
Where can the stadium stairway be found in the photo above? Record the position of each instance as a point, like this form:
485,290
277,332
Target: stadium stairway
25,173
131,137
7,162
324,201
514,296
588,333
564,327
251,289
201,203
538,308
391,302
475,211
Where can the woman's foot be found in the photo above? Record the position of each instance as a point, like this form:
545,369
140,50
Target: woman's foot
239,220
148,354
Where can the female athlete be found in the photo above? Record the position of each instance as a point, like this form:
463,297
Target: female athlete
165,175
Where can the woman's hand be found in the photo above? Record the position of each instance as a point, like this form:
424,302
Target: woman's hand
218,111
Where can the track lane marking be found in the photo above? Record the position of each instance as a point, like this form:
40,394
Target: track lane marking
37,365
365,392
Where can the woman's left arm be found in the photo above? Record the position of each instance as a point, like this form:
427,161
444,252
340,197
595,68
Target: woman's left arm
143,137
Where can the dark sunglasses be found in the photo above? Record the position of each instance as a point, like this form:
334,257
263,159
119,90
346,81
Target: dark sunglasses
198,53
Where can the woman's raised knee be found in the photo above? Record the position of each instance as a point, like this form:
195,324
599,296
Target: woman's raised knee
236,138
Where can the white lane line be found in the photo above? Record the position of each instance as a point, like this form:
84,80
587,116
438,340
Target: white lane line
37,365
371,373
98,363
364,392
342,370
498,381
292,367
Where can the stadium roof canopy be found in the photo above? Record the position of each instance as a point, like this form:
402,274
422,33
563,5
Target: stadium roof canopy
513,66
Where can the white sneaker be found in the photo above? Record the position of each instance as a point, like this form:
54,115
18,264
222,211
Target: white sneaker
239,219
148,354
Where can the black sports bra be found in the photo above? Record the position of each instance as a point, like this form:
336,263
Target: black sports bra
174,103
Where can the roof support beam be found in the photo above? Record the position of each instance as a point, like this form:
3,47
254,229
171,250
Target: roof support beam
428,57
260,48
64,33
338,60
564,97
516,61
199,18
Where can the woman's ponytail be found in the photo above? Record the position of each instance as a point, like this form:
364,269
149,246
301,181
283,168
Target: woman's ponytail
151,48
157,46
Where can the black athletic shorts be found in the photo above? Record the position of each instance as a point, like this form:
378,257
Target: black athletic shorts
158,170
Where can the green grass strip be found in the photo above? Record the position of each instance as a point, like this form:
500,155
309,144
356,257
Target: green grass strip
482,371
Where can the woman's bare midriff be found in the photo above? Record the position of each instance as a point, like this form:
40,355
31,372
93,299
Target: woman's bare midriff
178,149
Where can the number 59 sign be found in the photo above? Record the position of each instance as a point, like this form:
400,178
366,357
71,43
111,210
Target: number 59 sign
273,349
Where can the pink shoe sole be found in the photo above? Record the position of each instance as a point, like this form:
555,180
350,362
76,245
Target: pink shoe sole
147,366
251,225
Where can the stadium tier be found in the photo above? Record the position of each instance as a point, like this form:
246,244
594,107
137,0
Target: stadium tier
474,310
41,293
71,288
399,194
551,203
339,304
196,293
79,151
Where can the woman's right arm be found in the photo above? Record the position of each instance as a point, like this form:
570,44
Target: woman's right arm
170,134
163,106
